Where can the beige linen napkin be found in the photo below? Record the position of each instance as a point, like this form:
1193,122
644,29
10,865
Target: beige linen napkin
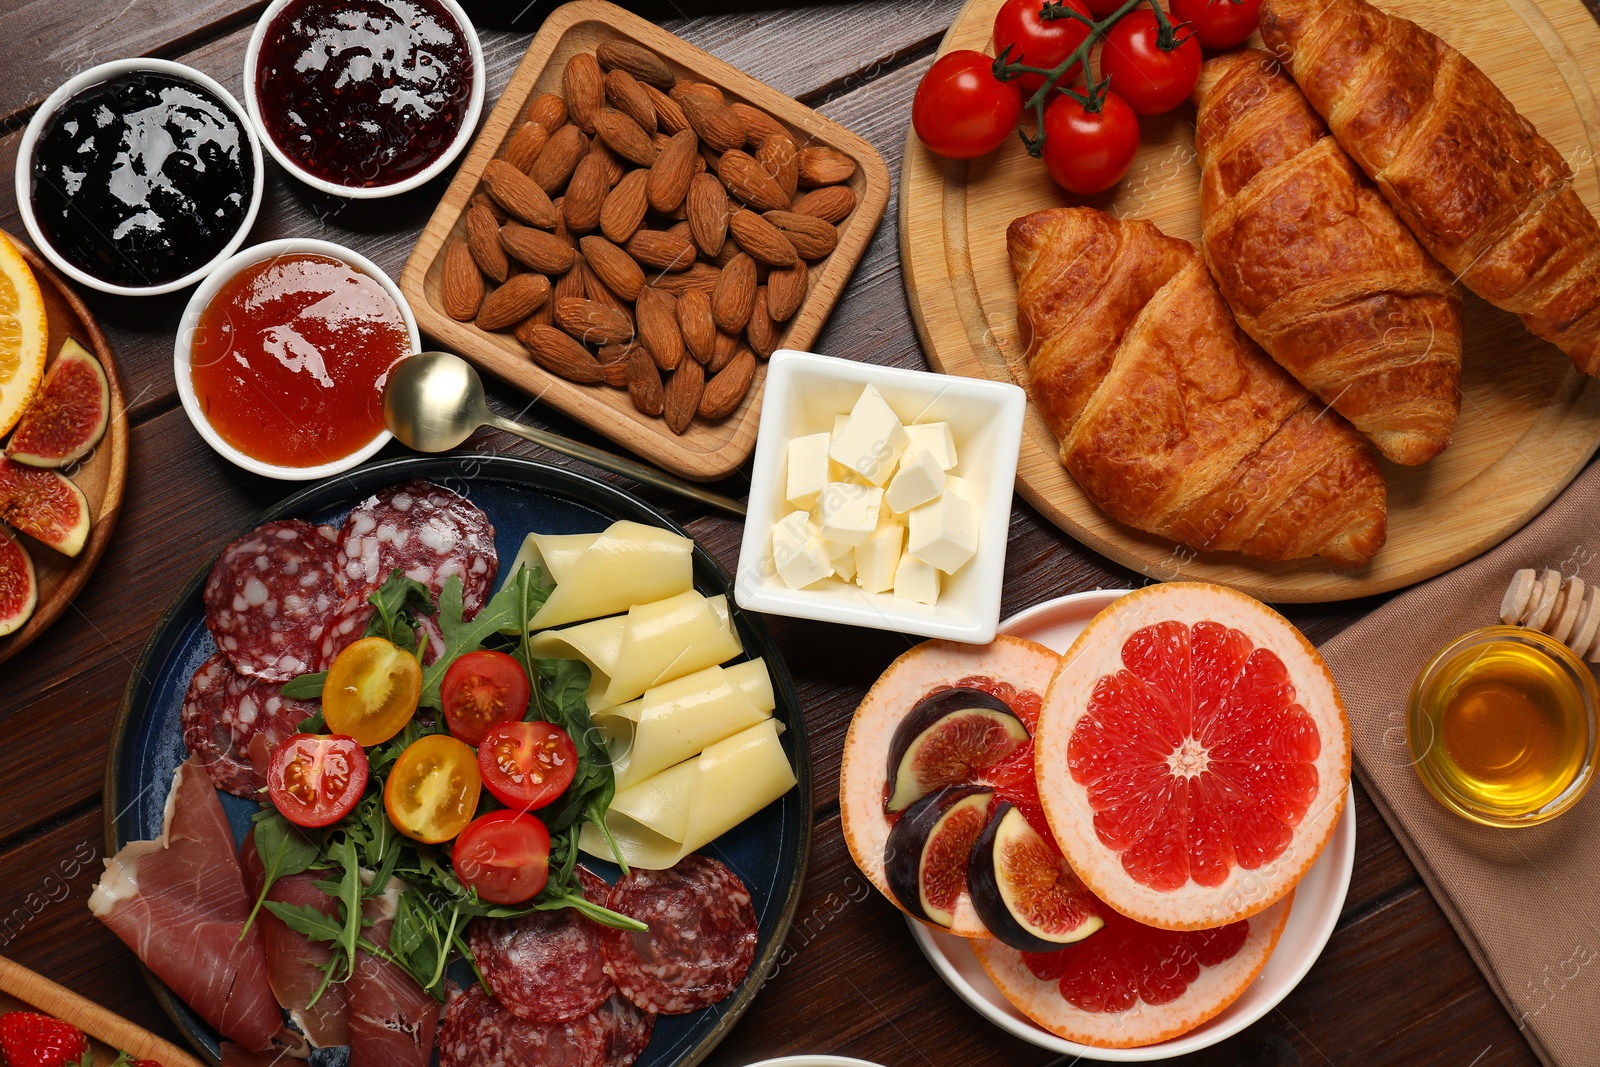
1527,901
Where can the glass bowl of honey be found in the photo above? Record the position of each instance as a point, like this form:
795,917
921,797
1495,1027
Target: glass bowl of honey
1502,726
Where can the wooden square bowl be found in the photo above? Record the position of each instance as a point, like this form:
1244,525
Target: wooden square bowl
707,450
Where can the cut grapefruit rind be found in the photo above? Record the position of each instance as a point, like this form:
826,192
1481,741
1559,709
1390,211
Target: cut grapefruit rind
1144,1024
1026,665
1097,654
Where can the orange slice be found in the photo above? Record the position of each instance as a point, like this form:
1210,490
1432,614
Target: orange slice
23,334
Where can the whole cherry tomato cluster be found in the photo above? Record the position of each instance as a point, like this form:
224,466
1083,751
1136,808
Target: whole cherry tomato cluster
1088,127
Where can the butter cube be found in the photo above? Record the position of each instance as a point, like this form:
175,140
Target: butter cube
958,485
808,470
919,480
916,580
944,534
844,560
878,556
848,513
798,553
871,439
933,437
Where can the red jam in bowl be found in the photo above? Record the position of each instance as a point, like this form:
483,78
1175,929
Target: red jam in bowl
289,359
364,93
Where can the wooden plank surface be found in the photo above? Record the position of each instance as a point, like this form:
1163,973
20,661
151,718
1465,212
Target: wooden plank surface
1394,986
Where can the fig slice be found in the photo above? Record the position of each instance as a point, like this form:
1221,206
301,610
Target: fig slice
44,505
68,414
927,852
1023,889
19,586
948,738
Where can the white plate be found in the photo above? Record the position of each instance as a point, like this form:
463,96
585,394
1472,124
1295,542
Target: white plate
813,1061
1317,903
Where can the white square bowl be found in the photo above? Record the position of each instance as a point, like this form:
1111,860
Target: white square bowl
804,393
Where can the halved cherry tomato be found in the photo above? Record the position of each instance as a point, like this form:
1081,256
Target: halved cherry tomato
1219,23
433,789
1152,80
527,764
961,110
1038,42
371,691
316,779
505,856
481,689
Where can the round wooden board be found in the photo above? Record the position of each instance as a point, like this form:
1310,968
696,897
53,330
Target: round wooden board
100,475
1529,421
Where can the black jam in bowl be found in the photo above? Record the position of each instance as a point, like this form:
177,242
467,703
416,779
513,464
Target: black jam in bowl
141,179
364,93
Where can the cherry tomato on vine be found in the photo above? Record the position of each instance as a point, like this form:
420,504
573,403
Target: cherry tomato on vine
1039,42
481,689
504,855
1151,80
527,764
1218,23
1089,151
961,109
316,779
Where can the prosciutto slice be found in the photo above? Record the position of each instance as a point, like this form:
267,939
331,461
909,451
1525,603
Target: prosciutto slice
392,1020
180,901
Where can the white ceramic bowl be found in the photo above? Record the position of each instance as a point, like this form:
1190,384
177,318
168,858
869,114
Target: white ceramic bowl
469,121
804,392
191,320
94,76
1318,900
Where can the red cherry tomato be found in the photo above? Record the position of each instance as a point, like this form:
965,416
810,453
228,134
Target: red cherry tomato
481,689
1152,81
504,855
1089,151
1219,23
961,109
526,765
1038,42
316,779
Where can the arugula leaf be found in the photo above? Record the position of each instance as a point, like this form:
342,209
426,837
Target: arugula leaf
348,891
305,687
399,602
504,611
284,850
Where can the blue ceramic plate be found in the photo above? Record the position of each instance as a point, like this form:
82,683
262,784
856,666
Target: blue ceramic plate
768,851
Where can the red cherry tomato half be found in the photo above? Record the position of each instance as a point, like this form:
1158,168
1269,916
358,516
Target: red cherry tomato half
1219,23
316,779
961,109
504,855
1038,42
526,765
1151,80
481,689
1089,151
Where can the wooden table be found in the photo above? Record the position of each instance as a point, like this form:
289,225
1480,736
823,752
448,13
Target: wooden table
1395,985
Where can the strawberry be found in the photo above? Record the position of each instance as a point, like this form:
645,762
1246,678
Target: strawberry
32,1040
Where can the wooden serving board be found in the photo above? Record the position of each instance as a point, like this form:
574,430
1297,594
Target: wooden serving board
1529,421
109,1033
100,474
708,450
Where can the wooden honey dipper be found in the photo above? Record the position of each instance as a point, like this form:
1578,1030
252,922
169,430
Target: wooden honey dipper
1566,609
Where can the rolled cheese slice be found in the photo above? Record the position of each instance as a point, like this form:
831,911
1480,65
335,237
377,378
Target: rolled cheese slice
603,574
671,814
678,719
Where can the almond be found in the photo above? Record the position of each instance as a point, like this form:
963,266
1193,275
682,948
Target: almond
593,323
624,136
571,284
482,199
811,237
723,392
644,383
698,328
519,194
748,181
786,291
682,395
460,283
673,170
778,158
586,192
669,113
681,229
831,203
559,158
824,166
701,276
629,97
636,60
612,351
584,88
614,267
560,354
614,364
764,241
596,290
716,123
615,167
761,331
722,352
658,327
624,206
561,232
736,293
661,250
513,301
525,145
483,240
758,125
729,249
549,111
684,87
544,252
707,209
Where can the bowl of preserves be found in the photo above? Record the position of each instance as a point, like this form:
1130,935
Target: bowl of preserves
364,98
139,176
282,355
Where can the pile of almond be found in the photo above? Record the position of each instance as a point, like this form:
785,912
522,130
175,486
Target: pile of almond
642,231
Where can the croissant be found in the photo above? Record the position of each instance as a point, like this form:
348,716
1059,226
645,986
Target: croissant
1490,198
1170,418
1317,268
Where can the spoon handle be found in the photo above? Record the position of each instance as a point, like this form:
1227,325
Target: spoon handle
617,465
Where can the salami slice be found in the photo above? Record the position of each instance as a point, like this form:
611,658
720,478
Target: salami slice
627,1030
479,1032
233,722
425,532
545,967
701,942
267,596
343,628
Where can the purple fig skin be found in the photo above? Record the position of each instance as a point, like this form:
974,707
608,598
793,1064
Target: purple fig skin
983,886
910,836
922,721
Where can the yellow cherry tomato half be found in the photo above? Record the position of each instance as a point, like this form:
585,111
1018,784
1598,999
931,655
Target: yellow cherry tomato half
432,791
371,691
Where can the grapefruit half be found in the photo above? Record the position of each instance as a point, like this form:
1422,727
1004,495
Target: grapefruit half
1192,755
